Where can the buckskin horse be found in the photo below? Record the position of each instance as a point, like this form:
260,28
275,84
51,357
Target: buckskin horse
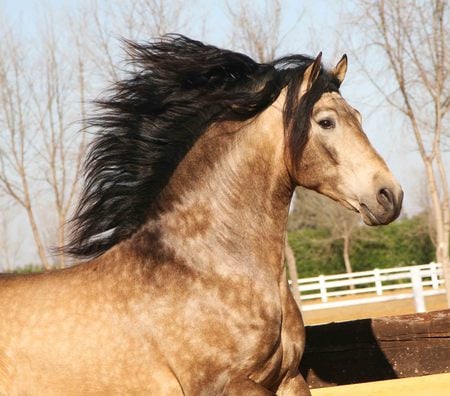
181,227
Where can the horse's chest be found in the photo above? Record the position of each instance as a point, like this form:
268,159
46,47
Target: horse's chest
220,330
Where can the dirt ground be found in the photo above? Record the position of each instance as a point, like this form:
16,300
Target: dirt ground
430,385
373,310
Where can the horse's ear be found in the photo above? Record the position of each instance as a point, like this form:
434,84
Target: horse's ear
340,69
310,75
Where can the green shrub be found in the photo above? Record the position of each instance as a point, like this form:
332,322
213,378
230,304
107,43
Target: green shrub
404,242
29,269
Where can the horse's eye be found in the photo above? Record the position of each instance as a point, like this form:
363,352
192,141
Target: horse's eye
327,123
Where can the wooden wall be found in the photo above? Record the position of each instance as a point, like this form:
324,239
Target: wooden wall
377,349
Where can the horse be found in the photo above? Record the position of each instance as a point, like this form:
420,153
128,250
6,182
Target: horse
180,288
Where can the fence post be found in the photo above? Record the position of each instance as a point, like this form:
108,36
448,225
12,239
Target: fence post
378,284
416,280
434,276
323,288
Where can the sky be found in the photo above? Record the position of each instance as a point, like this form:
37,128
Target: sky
310,26
323,16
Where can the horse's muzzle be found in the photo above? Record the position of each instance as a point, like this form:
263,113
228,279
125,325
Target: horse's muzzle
385,209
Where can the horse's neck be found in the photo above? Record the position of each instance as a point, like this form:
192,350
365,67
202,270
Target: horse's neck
228,198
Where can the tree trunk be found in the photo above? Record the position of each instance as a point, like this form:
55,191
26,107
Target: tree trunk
346,254
293,275
61,240
442,256
440,212
443,245
37,238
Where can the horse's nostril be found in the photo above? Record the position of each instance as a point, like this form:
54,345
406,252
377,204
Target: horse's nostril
386,198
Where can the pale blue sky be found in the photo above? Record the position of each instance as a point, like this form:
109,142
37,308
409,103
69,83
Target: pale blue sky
319,29
320,16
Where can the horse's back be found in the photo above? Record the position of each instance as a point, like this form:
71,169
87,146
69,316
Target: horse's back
65,332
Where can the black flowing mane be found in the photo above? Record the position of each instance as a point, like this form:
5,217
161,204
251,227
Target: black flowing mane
177,88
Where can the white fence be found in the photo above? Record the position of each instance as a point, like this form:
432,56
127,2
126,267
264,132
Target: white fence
415,282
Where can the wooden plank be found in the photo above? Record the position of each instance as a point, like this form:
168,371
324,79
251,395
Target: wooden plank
431,385
377,349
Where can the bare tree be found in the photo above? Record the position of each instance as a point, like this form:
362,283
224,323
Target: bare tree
64,101
9,247
42,93
17,157
257,31
133,20
342,223
293,274
314,210
411,38
150,18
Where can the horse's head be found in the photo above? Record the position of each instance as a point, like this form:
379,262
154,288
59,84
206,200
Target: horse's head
337,159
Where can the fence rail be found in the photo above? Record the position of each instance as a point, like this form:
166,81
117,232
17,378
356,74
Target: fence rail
416,281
